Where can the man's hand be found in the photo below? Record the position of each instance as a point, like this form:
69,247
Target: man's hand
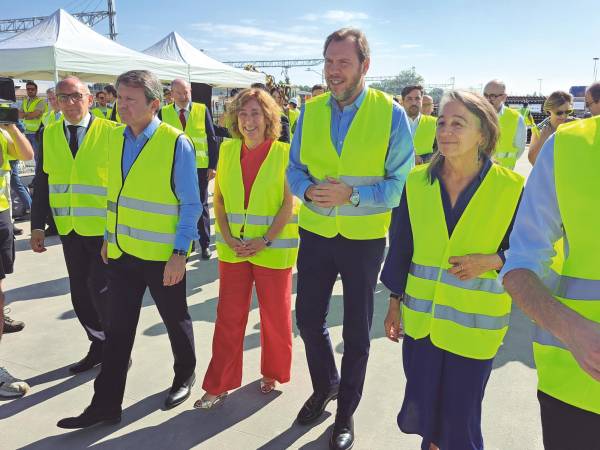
393,321
37,241
332,193
174,270
584,342
211,173
104,252
418,160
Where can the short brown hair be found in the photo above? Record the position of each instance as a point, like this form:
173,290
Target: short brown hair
359,38
594,91
408,89
556,100
269,106
488,122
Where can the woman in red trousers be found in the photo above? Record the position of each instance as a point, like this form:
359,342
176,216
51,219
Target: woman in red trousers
257,245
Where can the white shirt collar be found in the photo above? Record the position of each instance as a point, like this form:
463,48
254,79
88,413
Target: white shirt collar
187,107
83,123
415,120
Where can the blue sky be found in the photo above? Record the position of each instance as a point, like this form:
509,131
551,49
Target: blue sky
472,41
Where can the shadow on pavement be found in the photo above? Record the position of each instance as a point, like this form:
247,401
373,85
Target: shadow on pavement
45,289
22,245
287,438
517,342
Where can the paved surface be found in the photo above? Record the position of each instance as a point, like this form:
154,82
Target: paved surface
38,293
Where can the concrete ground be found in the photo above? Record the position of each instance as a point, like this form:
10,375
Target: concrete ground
38,293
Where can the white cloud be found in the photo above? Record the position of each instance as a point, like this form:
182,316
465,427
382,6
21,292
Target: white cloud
242,31
336,15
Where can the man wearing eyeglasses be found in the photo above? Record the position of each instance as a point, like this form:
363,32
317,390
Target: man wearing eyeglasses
592,99
70,182
32,109
513,131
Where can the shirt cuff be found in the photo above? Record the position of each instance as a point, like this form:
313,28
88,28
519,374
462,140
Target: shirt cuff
303,187
182,243
365,194
514,263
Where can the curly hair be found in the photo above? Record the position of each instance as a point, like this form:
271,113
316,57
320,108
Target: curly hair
269,106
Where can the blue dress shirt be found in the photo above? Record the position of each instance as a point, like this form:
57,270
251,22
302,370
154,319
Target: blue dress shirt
399,159
538,224
185,179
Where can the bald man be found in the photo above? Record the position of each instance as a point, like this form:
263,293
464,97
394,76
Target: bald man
427,108
195,120
513,131
70,182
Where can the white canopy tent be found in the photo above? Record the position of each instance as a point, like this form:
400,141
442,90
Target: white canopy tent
202,68
61,45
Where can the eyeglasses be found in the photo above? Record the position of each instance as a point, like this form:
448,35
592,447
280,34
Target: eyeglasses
75,97
562,113
492,96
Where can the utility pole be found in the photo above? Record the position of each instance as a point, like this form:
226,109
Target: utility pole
595,68
540,91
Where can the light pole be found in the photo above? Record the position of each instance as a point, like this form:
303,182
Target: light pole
540,90
595,68
308,69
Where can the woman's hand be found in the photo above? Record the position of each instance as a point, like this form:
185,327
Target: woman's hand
252,247
471,266
393,321
235,244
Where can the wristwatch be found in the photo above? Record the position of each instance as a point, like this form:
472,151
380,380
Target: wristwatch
268,243
396,296
179,252
355,197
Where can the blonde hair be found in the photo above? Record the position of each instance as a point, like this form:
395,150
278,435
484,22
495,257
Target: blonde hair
488,124
269,106
556,100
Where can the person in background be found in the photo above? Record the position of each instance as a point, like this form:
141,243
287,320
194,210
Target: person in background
559,107
167,96
32,109
441,269
16,145
422,127
194,120
592,99
111,96
513,131
257,245
317,89
285,121
101,110
53,114
428,106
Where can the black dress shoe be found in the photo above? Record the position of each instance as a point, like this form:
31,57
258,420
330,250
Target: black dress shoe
180,393
205,253
91,360
89,418
315,405
17,231
342,436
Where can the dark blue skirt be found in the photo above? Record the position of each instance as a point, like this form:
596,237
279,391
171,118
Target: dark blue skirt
444,392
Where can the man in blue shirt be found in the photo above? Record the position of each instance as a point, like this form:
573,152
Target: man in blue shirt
328,249
139,98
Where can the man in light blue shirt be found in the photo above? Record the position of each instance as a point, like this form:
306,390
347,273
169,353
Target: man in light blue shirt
529,279
139,98
353,251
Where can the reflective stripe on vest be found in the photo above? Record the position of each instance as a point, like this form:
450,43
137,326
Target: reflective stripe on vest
361,163
265,200
195,129
506,152
577,284
465,317
77,186
143,210
425,135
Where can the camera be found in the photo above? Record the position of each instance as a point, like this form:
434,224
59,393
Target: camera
7,97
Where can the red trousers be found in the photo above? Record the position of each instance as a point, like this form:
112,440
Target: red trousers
274,292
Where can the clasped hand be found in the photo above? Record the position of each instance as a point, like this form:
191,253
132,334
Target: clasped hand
329,194
246,249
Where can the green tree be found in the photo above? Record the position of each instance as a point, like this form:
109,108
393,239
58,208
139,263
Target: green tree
436,94
395,85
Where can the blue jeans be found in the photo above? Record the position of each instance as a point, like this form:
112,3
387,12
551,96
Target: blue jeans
18,186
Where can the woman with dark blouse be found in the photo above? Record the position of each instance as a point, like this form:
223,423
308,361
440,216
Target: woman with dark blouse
447,242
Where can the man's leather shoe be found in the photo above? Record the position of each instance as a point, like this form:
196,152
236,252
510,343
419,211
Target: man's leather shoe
205,253
91,360
315,405
89,418
342,436
180,393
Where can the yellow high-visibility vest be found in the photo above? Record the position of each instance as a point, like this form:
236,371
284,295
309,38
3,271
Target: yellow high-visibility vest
143,210
49,117
576,284
505,153
361,163
4,170
195,129
77,185
468,318
99,113
266,198
425,135
32,125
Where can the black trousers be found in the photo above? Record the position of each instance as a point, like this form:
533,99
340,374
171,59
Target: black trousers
128,278
204,221
320,260
566,427
87,278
